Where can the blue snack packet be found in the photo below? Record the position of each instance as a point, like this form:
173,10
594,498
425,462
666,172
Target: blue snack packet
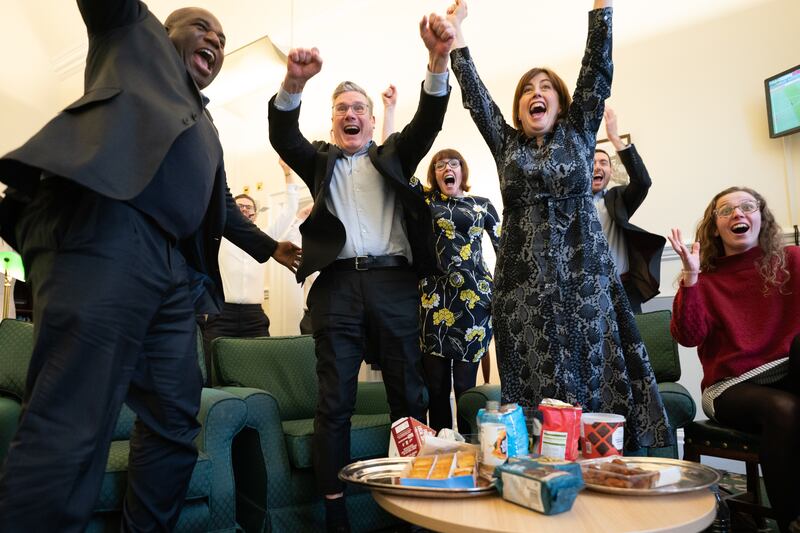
542,486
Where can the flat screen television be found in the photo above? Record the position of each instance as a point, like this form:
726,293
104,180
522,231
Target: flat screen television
783,102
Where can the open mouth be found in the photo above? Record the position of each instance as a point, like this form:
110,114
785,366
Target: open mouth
537,109
740,228
205,59
351,129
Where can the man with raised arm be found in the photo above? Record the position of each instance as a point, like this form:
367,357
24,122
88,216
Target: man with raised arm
118,205
370,235
636,252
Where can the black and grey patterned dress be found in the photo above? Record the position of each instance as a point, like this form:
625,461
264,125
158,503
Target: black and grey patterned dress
562,322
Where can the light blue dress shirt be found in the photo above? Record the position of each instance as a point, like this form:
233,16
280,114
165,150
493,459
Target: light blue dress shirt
362,198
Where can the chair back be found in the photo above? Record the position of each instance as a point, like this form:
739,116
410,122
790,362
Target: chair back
16,348
662,348
285,367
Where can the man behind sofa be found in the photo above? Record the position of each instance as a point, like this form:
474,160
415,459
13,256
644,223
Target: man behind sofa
117,206
368,232
636,252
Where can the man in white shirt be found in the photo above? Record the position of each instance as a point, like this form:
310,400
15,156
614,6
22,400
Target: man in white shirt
243,285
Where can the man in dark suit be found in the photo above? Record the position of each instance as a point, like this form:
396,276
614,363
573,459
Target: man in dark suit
368,233
636,252
118,205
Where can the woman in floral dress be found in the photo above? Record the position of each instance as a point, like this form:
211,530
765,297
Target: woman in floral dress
563,325
455,315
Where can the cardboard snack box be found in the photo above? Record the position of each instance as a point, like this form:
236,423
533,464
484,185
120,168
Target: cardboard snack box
444,471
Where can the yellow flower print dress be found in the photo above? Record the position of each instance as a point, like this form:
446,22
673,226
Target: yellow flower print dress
455,313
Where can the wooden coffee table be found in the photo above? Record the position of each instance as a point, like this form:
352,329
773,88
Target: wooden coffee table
593,511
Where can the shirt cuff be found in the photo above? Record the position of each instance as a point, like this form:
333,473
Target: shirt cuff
286,101
436,83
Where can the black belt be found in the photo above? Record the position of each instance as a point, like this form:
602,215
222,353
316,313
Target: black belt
369,262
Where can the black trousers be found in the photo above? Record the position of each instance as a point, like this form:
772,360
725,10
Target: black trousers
438,372
113,322
349,311
236,320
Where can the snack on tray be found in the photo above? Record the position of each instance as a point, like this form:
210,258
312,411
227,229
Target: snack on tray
546,488
448,471
441,469
617,473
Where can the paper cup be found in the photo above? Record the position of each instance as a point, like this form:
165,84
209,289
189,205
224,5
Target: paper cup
602,434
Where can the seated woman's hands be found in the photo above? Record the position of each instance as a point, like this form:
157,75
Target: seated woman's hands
690,259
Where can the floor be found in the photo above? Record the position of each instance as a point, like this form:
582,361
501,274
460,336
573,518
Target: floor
732,484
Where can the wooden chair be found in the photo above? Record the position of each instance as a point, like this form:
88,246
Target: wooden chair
709,438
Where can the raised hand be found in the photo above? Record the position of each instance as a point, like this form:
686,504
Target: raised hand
611,129
438,35
690,259
457,12
302,64
288,254
389,96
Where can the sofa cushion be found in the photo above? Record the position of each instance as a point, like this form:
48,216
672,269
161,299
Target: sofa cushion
16,338
283,366
662,349
115,480
369,437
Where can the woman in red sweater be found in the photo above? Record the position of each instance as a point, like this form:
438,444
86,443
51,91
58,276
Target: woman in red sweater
739,303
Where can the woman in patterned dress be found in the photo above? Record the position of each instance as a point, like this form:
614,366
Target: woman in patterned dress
739,269
563,325
455,314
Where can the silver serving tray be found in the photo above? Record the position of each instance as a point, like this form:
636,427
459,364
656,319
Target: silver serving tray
694,476
383,475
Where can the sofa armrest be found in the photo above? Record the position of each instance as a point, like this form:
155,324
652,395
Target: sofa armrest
371,398
261,459
474,399
221,417
9,418
678,403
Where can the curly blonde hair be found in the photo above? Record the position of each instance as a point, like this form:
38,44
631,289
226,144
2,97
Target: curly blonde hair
772,265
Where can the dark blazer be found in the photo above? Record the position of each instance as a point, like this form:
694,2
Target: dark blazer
644,249
138,99
396,160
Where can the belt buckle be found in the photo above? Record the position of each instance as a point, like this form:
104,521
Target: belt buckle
358,258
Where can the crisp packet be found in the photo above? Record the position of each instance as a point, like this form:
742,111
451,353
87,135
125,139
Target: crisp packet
512,416
561,429
545,487
516,429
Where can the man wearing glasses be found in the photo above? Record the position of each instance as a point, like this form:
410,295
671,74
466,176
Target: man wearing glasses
243,280
370,234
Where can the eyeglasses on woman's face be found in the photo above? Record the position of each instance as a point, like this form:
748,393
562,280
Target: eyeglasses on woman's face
746,207
442,163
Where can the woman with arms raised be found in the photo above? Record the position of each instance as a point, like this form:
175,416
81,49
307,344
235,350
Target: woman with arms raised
562,322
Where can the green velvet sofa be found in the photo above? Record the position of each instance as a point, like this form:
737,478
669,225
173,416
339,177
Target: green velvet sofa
663,352
275,484
210,501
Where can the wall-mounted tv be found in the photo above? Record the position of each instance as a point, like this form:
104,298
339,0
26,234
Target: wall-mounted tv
783,102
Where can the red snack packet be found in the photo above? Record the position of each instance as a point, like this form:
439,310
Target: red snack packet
561,429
